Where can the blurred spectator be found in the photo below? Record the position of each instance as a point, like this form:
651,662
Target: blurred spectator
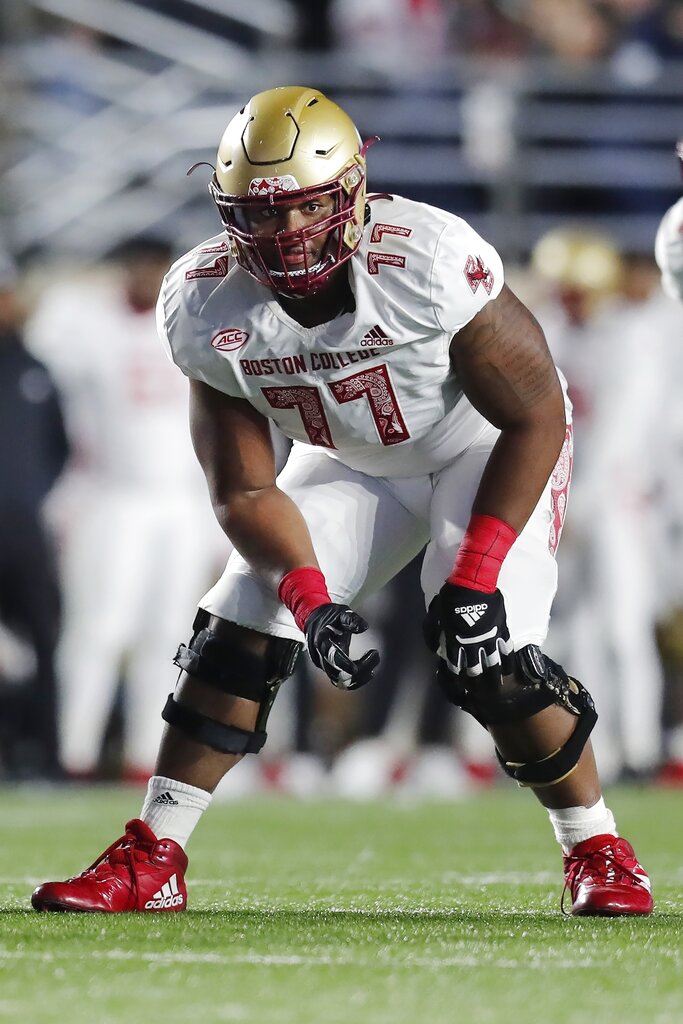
574,31
140,538
314,26
487,28
33,450
655,26
638,33
376,31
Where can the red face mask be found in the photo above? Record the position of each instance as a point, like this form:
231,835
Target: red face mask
294,262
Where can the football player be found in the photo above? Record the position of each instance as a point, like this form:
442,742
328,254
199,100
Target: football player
669,255
141,495
598,322
424,409
669,244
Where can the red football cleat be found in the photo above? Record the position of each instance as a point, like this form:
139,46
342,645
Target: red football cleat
137,872
605,879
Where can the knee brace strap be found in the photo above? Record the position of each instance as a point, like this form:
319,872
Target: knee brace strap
539,670
222,664
558,765
539,683
226,739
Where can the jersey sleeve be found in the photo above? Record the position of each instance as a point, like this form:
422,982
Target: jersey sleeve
187,334
669,250
466,274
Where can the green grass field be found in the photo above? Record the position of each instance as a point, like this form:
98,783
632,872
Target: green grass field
327,913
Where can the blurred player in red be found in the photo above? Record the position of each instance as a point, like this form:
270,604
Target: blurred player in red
424,408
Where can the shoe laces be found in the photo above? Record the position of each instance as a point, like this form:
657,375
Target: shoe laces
606,861
127,851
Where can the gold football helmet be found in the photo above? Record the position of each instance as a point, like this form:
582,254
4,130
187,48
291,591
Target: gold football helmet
287,146
580,259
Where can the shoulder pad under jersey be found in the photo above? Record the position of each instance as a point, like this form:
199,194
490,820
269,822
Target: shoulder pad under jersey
185,315
432,261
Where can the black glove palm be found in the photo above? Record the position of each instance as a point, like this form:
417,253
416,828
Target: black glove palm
328,630
468,629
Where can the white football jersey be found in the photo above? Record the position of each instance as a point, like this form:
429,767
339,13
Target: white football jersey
374,386
669,250
125,406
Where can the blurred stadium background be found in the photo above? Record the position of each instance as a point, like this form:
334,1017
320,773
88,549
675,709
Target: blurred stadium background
515,113
550,125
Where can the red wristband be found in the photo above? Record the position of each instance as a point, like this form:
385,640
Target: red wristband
481,554
302,591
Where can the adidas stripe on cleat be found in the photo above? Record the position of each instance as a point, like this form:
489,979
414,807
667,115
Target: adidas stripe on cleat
167,897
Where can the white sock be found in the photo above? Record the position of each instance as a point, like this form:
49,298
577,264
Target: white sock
172,809
574,824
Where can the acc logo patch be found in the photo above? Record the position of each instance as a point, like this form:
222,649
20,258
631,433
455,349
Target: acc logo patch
476,273
229,340
270,186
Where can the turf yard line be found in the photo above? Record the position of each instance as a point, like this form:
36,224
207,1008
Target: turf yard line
376,959
504,878
544,878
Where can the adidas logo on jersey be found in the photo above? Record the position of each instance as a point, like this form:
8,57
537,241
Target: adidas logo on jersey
166,799
471,613
168,896
376,338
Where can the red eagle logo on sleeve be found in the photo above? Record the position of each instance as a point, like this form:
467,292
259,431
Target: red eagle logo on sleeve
476,273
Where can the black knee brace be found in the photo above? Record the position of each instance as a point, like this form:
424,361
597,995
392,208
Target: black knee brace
220,663
538,683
